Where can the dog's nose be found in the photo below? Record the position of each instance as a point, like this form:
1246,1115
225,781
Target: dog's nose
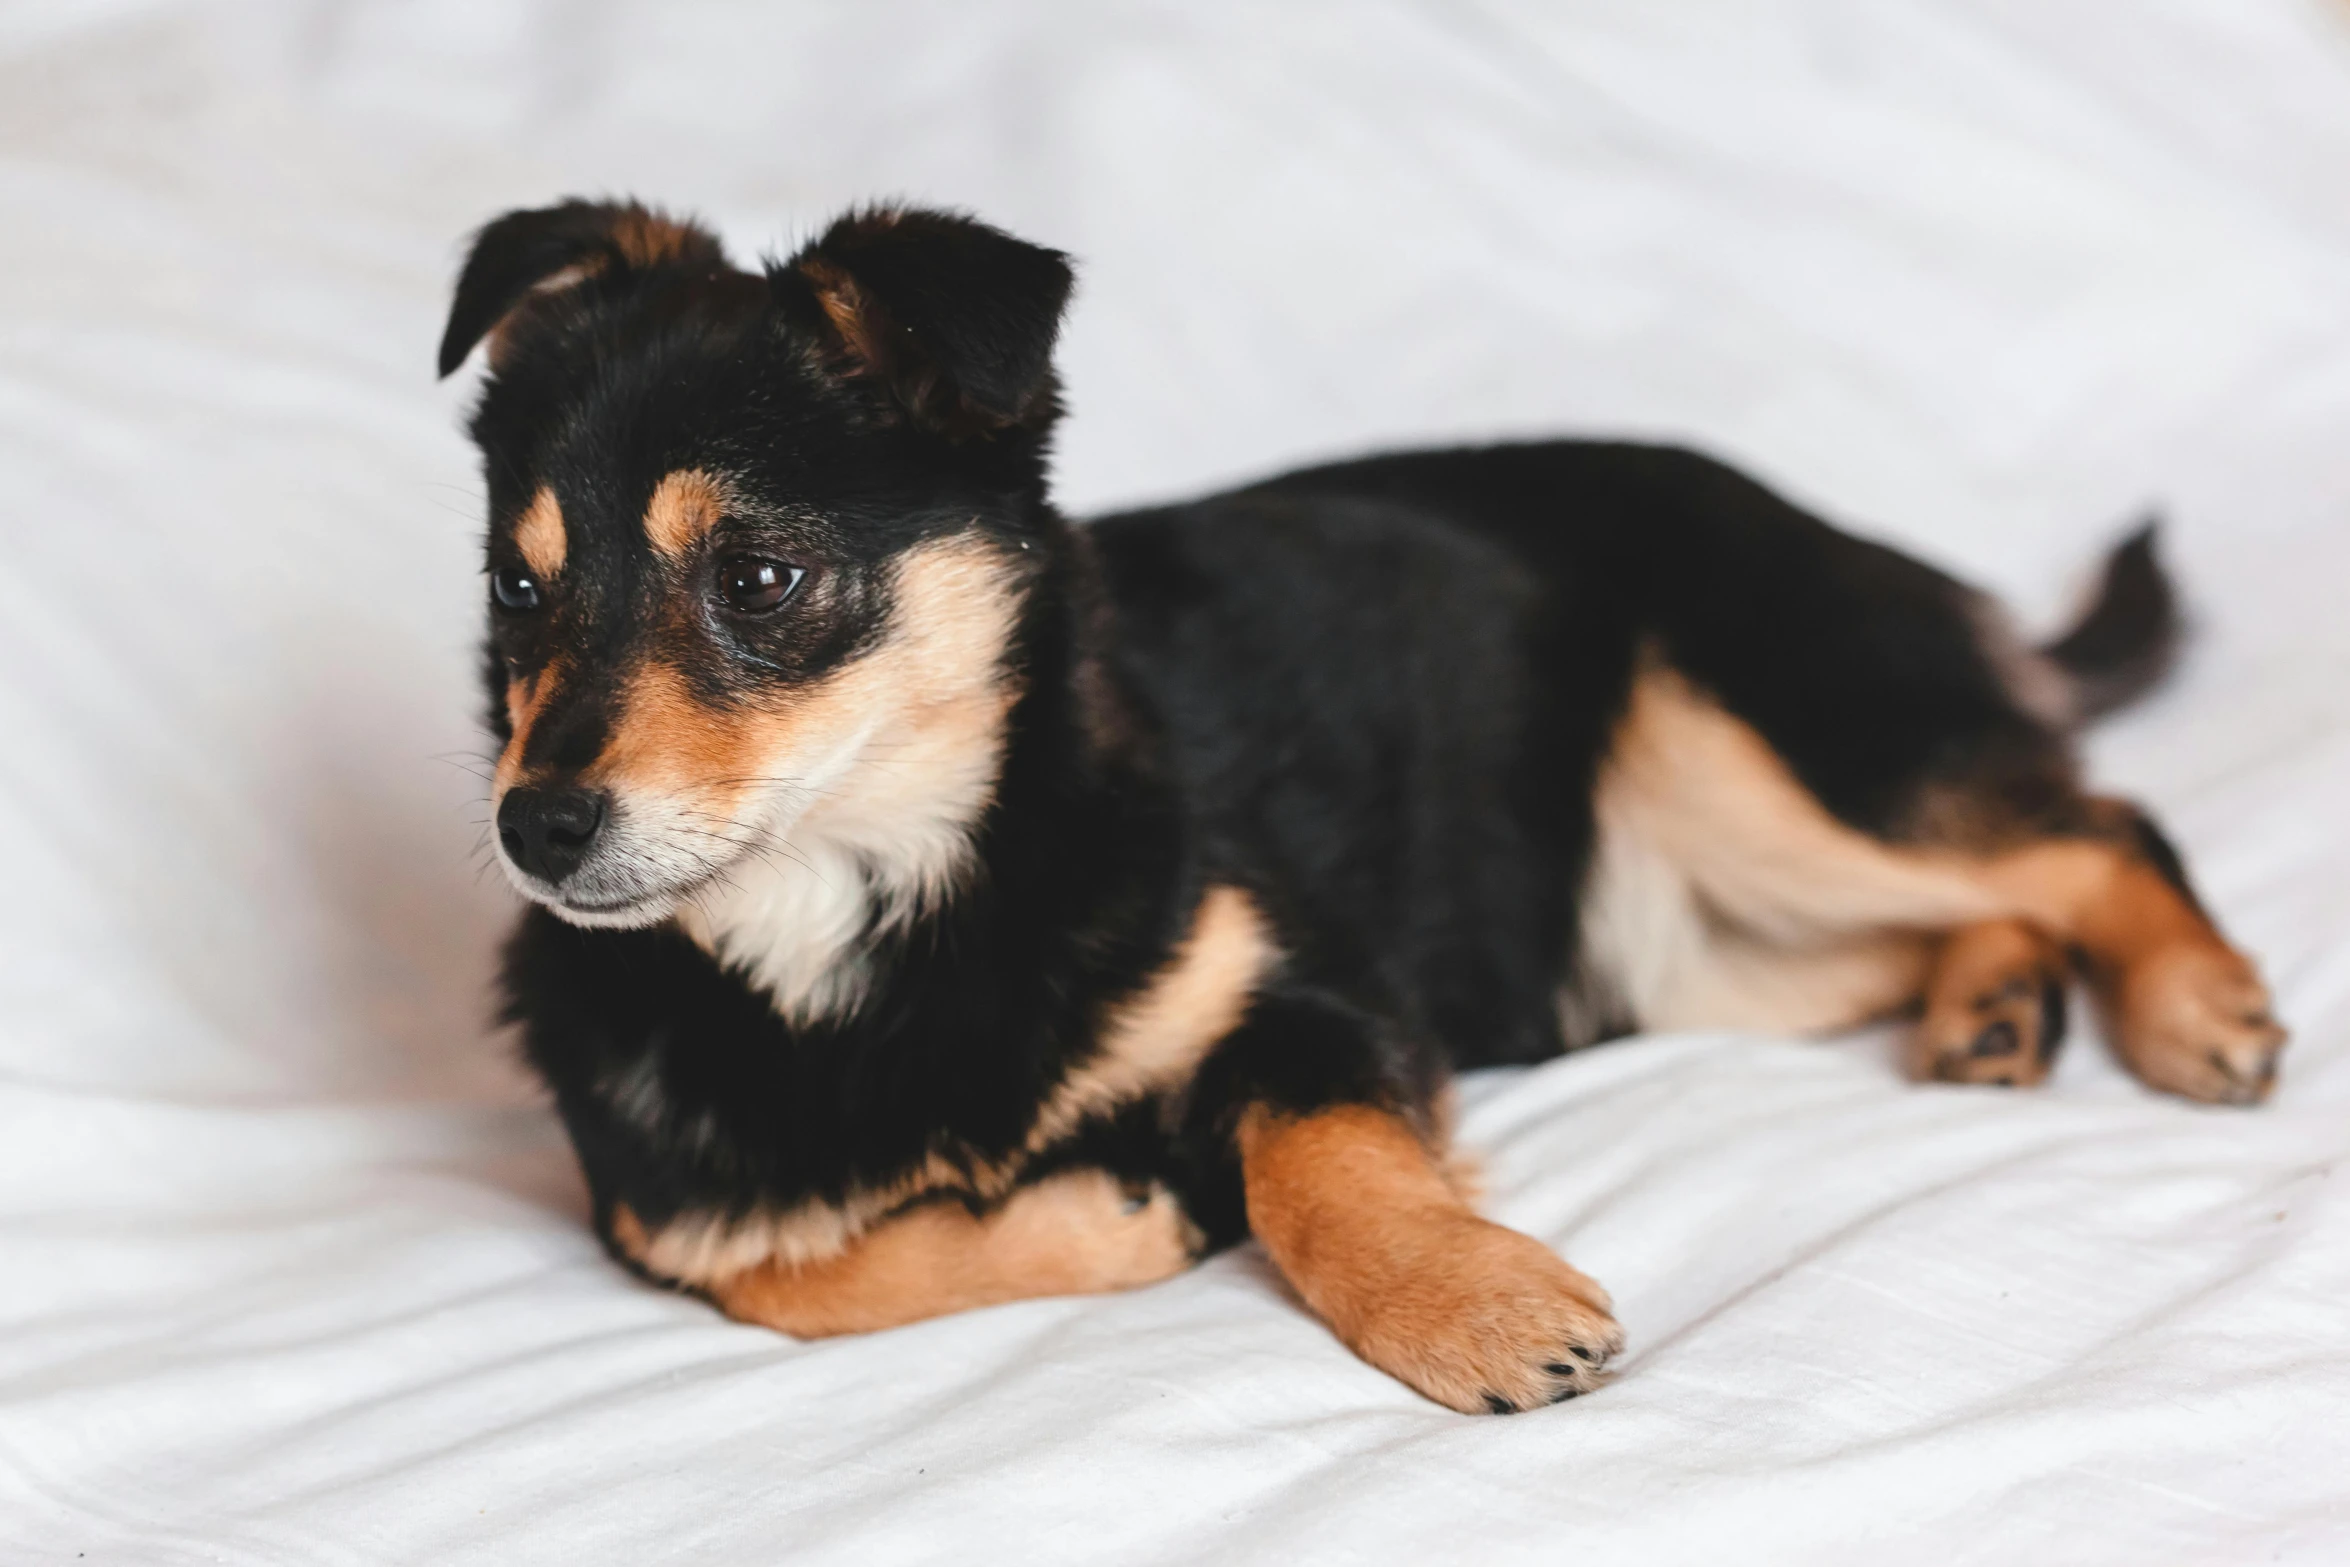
547,831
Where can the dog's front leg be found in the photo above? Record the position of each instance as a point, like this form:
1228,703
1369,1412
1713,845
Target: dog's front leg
1348,1197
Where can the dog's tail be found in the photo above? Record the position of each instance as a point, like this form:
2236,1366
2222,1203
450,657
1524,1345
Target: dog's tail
2129,637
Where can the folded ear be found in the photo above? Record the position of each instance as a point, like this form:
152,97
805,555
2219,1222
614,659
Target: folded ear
528,254
955,318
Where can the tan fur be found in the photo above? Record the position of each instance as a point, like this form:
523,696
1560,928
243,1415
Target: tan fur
665,739
1155,1039
1753,984
2187,1012
703,1248
526,698
935,683
645,239
791,827
1075,1233
685,506
540,537
850,312
886,767
1723,893
1983,1020
1363,1223
1712,798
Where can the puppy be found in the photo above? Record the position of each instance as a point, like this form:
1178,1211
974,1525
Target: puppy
936,903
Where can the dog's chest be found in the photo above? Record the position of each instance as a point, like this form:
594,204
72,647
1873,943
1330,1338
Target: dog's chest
799,929
739,1146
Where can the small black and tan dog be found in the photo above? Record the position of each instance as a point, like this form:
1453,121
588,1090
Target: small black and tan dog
939,903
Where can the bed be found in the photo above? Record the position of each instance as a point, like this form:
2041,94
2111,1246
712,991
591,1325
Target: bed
292,1257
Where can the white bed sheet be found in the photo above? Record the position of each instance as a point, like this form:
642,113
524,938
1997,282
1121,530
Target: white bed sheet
292,1266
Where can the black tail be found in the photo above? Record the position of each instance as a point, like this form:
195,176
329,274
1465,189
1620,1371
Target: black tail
2129,638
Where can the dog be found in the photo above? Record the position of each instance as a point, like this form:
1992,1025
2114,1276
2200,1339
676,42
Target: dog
936,903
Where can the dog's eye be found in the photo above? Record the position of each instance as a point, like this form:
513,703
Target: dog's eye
514,588
751,583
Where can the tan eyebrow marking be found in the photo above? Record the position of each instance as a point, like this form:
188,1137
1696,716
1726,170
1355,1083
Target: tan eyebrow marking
685,505
538,534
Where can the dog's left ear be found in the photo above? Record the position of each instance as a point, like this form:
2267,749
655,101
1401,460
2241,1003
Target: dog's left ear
955,318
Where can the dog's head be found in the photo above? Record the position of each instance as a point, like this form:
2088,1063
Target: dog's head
759,541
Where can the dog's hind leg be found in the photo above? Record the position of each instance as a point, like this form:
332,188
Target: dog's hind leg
1722,834
2186,1011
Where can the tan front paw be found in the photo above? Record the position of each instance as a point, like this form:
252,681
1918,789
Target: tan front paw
2195,1020
1484,1320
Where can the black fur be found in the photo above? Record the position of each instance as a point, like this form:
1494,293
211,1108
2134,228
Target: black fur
1373,695
956,317
2130,637
523,249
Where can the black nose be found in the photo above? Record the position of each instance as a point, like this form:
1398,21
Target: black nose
547,831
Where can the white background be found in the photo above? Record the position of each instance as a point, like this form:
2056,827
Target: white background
292,1266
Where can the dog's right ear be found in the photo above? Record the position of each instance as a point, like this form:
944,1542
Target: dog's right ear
539,251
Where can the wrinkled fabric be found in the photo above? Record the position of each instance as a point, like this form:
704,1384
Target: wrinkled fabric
292,1258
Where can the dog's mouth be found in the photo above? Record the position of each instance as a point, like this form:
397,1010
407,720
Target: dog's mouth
624,914
592,905
633,875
